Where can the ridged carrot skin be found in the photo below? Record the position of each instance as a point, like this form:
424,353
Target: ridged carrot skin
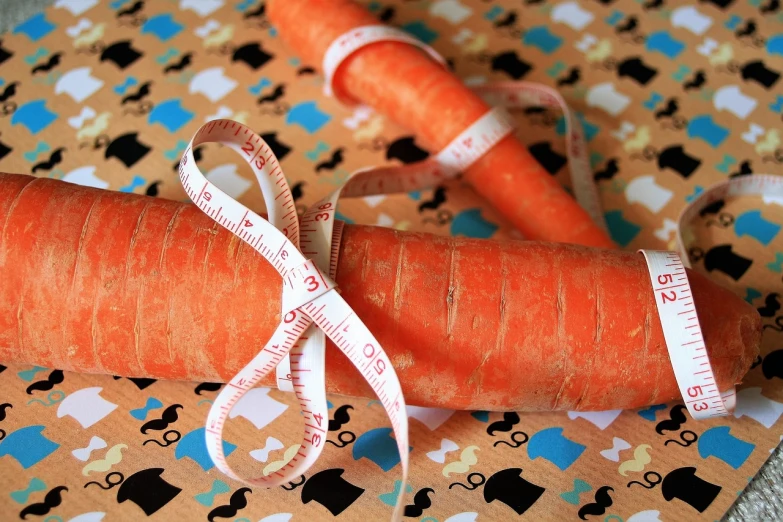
402,82
105,282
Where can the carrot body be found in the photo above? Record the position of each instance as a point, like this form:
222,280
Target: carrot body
104,282
403,83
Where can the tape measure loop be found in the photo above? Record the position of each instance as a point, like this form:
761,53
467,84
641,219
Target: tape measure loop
683,336
351,41
311,308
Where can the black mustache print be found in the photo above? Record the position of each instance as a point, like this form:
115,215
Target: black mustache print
510,419
629,25
169,416
697,82
133,9
510,20
181,65
772,366
745,170
236,503
535,111
197,155
142,92
672,106
340,417
771,306
3,407
713,208
54,159
296,190
602,501
9,91
51,500
573,77
748,29
386,15
337,159
55,378
653,4
305,70
256,13
438,198
3,368
421,502
207,386
152,189
51,63
609,171
770,7
277,93
674,423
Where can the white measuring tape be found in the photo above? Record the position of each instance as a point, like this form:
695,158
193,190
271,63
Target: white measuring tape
684,339
309,297
353,40
305,254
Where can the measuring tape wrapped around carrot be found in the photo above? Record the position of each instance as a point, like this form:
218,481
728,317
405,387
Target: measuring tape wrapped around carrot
105,282
417,91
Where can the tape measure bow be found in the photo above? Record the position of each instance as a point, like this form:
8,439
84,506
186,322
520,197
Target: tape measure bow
311,307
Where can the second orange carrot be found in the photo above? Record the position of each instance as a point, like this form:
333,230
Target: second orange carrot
402,82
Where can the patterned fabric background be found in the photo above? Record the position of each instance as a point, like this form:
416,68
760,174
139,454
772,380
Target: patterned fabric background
673,98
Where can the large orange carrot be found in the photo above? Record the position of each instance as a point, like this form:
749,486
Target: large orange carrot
402,82
104,282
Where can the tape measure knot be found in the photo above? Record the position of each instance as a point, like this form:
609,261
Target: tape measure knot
303,284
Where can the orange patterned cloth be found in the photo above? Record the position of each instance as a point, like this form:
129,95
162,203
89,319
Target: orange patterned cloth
673,98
